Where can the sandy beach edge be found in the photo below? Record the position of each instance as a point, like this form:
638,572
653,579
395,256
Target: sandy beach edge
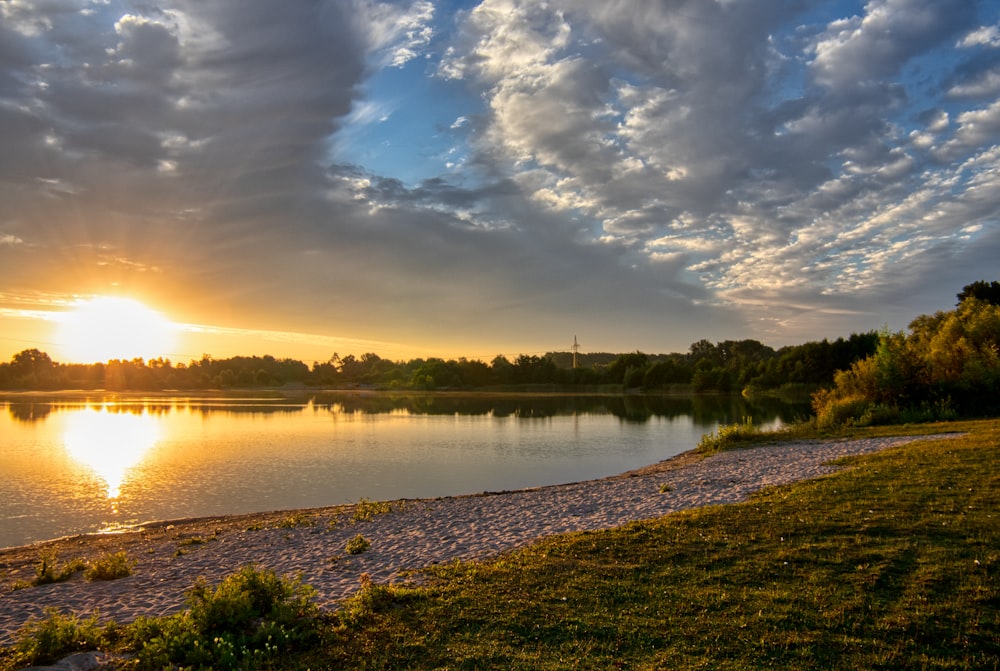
171,554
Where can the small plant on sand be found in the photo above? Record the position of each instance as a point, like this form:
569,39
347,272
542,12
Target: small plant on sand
295,520
48,571
367,510
110,566
666,488
197,540
357,545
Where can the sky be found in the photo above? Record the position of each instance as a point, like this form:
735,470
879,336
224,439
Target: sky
452,178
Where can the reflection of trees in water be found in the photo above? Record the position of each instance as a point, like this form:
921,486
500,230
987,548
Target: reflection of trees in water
29,412
705,410
38,410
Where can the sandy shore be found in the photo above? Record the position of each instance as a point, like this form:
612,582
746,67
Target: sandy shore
416,534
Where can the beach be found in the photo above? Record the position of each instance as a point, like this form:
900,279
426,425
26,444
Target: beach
405,536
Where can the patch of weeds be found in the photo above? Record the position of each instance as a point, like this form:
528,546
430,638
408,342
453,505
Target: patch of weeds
666,488
48,570
367,510
44,641
193,541
372,598
729,437
250,620
295,520
357,545
334,522
110,566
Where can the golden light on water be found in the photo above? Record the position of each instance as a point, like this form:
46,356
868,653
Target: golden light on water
110,443
111,327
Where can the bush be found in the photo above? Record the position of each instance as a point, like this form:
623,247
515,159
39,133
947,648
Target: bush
110,567
833,411
357,545
47,640
251,617
728,436
48,571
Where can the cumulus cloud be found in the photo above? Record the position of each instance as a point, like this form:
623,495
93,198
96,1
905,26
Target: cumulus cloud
988,36
868,48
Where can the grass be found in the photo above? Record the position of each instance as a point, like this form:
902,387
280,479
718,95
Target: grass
889,565
892,564
48,570
106,567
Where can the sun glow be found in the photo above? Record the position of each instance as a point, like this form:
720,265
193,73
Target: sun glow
110,327
110,443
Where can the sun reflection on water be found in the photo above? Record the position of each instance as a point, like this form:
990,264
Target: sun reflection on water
110,443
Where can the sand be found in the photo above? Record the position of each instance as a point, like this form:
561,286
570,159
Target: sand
415,534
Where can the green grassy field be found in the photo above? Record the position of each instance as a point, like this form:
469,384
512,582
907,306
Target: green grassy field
891,564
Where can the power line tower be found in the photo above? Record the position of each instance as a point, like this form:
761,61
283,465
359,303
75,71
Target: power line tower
576,348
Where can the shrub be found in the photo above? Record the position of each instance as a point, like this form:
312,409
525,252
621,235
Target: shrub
357,545
250,618
833,411
879,414
48,571
110,567
46,640
367,510
728,436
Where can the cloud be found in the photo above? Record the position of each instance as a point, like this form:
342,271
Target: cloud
659,171
398,33
988,36
861,49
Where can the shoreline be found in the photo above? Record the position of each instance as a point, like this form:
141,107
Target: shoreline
273,517
171,554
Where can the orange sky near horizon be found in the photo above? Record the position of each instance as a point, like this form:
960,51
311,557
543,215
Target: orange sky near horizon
70,332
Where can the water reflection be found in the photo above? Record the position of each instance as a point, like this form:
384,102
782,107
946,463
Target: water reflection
68,459
30,412
704,410
636,408
110,443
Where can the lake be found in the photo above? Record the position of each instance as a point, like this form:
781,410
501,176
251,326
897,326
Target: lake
97,463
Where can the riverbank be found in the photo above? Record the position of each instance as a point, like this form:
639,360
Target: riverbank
409,536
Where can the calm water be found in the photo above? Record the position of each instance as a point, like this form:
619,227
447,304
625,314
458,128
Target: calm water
70,467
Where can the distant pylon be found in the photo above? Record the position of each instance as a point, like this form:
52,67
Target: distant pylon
576,348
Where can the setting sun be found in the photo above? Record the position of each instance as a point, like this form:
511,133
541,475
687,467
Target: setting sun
109,327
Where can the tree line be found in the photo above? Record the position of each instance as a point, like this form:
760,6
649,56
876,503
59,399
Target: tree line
727,366
947,364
